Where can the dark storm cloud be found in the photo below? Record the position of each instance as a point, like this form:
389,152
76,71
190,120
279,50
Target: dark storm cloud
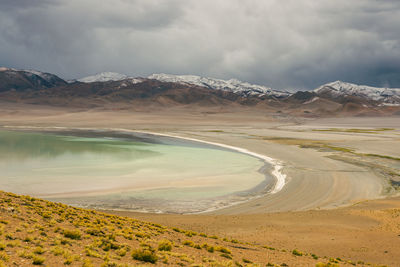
283,44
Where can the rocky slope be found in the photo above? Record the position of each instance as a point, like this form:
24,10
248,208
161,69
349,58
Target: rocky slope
21,80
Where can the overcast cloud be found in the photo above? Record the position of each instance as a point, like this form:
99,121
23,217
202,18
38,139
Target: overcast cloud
283,44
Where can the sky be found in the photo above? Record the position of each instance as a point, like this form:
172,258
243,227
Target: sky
284,44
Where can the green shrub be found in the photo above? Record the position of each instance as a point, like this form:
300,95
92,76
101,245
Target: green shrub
223,250
144,255
210,249
188,243
226,256
246,260
38,260
4,256
87,263
121,252
190,233
72,234
297,253
164,245
38,250
320,264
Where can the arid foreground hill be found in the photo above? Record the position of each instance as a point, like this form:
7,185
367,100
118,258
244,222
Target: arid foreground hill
38,232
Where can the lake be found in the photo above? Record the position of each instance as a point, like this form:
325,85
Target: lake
109,170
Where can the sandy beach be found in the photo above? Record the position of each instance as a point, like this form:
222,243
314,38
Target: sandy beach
332,167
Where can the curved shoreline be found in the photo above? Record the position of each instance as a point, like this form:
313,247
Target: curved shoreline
277,165
279,176
315,179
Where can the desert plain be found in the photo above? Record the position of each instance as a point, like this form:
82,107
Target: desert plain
341,195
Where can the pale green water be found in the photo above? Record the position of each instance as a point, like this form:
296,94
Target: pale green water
114,173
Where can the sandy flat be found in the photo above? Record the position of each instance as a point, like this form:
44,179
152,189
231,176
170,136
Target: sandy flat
319,179
314,180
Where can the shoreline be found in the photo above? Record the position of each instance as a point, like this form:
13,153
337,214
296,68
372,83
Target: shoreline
276,164
334,183
251,194
329,207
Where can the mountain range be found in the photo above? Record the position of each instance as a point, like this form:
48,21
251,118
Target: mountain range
165,90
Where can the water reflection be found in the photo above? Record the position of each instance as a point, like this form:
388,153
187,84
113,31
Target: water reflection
23,146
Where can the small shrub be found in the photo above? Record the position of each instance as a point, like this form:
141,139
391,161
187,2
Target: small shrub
226,256
165,245
144,255
121,252
25,254
246,260
64,242
13,244
72,234
321,264
38,250
210,249
57,251
38,260
190,233
70,259
27,239
87,263
197,246
188,243
223,250
297,253
4,256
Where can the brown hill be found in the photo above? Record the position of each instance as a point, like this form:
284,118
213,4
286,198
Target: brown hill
38,232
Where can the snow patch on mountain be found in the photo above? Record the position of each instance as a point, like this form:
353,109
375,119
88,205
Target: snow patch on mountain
339,88
45,76
48,77
104,77
232,85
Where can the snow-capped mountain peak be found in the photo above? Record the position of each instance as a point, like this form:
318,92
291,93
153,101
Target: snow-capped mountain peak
232,85
104,77
44,75
339,88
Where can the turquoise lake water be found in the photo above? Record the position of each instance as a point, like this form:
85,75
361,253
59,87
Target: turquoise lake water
115,173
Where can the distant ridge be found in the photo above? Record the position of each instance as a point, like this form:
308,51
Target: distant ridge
232,85
165,90
20,80
389,96
104,77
